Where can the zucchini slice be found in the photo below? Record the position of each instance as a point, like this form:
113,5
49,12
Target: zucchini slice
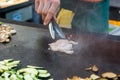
42,71
44,76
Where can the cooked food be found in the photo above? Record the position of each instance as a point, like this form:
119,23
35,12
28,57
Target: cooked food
93,68
118,75
88,69
63,45
109,75
9,71
94,76
78,78
7,3
6,32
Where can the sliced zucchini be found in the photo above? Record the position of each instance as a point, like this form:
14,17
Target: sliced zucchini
42,71
14,63
13,77
3,68
5,76
35,78
9,71
12,71
94,77
28,70
1,78
2,63
20,76
1,23
44,76
29,66
8,60
27,77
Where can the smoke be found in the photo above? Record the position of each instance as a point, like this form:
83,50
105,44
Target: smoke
89,17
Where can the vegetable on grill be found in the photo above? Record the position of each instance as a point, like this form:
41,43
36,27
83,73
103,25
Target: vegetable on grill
109,75
9,71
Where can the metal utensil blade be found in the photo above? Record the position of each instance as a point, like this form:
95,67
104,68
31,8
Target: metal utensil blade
52,32
58,29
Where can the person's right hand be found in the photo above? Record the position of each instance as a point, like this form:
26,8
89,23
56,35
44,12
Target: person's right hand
47,9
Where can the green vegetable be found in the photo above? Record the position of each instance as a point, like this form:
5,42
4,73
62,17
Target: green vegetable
51,79
44,76
31,71
29,66
6,75
1,78
27,77
13,77
42,71
9,71
13,64
1,23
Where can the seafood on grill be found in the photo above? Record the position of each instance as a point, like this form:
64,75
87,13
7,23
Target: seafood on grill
63,45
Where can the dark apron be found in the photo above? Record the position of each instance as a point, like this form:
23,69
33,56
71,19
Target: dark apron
89,17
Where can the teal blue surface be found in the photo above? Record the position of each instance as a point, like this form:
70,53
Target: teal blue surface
91,17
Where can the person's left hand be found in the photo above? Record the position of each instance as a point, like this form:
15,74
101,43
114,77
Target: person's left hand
47,9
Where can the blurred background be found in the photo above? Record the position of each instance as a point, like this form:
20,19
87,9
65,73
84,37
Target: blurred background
24,11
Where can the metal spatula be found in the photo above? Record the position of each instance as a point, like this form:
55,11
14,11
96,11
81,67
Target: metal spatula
54,28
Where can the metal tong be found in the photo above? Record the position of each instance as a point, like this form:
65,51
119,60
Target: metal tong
54,28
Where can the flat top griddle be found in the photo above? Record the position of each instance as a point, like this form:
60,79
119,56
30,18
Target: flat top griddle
30,45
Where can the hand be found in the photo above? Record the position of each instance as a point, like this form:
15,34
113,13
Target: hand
47,9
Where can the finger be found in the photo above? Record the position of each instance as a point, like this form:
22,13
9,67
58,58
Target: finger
46,6
52,11
43,17
49,16
36,5
40,8
55,18
56,14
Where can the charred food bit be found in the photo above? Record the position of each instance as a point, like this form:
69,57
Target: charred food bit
88,69
110,75
104,76
75,78
6,32
63,45
119,75
78,78
95,68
